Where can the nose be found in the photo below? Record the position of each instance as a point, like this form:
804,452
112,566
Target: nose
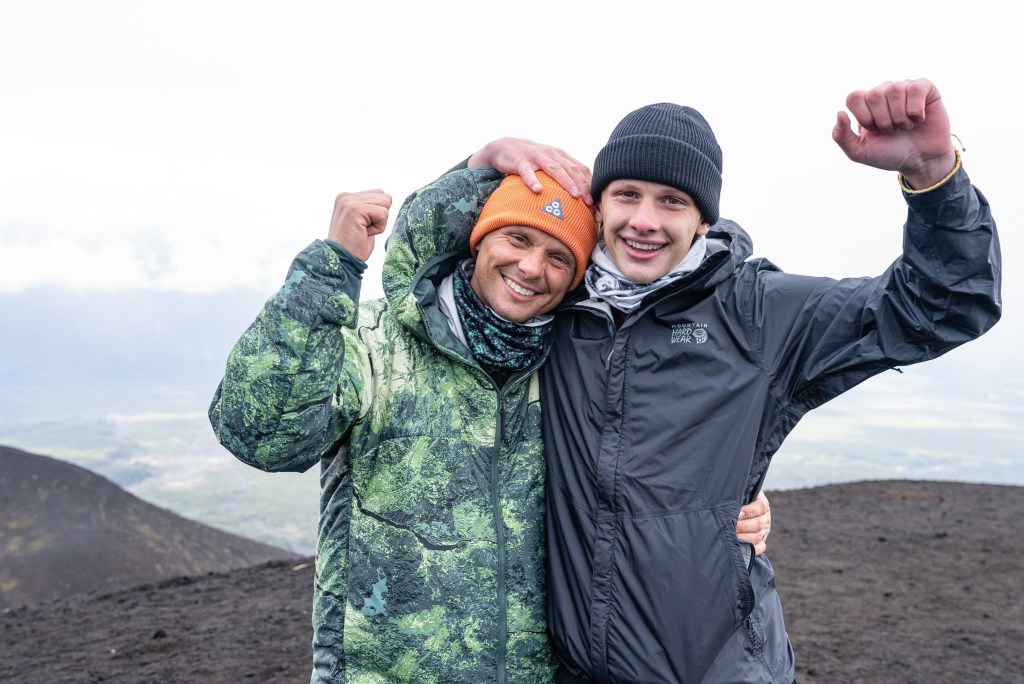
642,218
531,263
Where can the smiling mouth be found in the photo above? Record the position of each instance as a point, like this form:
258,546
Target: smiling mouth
517,288
643,246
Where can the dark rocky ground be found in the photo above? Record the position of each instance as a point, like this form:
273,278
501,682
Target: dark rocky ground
889,581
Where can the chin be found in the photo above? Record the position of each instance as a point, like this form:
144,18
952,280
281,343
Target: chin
521,318
646,275
637,278
518,315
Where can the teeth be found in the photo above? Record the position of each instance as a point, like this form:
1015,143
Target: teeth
643,246
519,288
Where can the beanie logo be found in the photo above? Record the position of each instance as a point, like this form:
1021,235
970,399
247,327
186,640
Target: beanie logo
555,209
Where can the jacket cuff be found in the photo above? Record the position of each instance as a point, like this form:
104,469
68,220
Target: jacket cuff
356,265
324,283
939,193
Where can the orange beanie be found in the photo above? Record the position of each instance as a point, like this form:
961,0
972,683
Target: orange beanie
552,210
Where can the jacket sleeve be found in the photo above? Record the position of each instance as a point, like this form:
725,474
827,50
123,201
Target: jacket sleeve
293,381
821,337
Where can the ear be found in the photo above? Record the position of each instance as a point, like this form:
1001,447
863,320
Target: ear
703,228
599,222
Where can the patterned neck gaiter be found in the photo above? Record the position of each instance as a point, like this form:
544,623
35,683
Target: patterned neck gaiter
605,280
495,342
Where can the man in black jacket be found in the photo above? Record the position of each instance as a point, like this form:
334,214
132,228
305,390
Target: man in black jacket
679,369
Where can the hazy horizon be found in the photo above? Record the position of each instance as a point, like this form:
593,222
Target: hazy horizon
163,162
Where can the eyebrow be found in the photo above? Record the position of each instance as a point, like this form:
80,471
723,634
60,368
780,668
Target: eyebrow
666,191
558,246
625,184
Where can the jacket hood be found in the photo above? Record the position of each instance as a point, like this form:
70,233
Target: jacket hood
430,237
728,247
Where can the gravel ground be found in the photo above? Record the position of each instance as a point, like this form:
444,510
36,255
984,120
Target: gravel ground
889,581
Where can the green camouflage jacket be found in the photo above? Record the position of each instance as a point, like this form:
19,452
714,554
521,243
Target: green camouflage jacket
429,563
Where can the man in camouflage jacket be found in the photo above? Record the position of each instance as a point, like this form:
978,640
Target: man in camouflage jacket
429,563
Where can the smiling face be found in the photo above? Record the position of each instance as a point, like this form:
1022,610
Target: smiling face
522,272
647,227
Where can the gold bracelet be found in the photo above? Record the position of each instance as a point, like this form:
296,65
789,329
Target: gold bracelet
911,191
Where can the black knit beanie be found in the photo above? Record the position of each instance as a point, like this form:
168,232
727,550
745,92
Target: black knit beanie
668,144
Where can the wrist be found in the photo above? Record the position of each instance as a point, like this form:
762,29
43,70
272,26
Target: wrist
477,159
930,175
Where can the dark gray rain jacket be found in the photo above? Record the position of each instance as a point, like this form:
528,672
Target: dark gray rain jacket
656,432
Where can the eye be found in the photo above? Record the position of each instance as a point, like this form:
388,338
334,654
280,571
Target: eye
562,259
517,239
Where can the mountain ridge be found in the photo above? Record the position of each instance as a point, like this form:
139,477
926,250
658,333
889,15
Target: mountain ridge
67,531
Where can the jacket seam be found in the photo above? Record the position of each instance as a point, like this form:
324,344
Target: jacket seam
613,579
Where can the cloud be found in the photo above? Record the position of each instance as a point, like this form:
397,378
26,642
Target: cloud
120,260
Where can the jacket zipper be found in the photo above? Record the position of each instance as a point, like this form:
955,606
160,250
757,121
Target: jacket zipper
598,634
499,537
499,525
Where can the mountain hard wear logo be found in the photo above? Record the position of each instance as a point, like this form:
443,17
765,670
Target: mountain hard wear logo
555,209
690,333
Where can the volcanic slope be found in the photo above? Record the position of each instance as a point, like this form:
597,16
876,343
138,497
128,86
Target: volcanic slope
66,531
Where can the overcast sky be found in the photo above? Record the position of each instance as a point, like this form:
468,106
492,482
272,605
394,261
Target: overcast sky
197,146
